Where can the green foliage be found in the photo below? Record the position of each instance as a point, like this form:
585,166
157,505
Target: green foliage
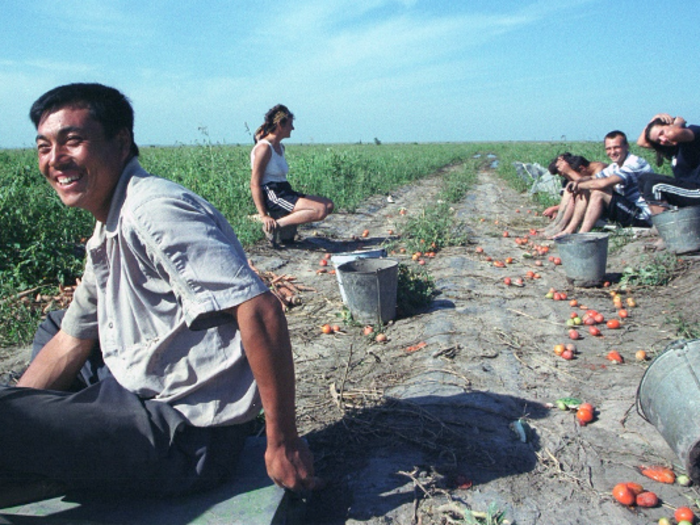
684,328
432,229
657,270
415,290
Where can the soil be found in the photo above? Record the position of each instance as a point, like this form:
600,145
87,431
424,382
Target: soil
420,436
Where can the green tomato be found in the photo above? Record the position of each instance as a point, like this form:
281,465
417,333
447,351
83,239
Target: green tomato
577,321
684,522
570,323
683,480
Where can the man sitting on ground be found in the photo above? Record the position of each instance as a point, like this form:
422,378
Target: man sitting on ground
613,191
192,344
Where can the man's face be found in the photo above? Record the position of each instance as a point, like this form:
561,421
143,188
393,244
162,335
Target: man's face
617,149
78,161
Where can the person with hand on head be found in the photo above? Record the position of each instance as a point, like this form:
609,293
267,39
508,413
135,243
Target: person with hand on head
613,191
674,140
572,206
172,345
277,203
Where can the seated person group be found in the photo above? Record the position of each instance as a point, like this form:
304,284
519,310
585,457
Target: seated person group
628,191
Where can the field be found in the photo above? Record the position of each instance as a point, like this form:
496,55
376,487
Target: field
421,428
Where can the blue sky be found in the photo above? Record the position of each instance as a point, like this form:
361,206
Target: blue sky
353,70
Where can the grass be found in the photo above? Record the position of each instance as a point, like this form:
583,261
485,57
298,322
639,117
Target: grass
41,240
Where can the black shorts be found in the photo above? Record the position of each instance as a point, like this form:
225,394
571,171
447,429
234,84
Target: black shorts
625,213
280,198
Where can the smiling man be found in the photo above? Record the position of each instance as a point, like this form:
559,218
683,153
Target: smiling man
613,192
171,345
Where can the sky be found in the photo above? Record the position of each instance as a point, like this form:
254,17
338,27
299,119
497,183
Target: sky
355,70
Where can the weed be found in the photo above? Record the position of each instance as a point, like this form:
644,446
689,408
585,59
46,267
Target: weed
619,238
415,291
657,270
684,328
492,516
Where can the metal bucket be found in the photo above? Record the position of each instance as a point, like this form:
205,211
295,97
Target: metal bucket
371,287
342,258
669,398
584,256
680,229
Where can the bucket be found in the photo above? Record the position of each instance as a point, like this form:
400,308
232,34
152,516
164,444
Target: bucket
370,288
680,229
584,256
342,258
668,397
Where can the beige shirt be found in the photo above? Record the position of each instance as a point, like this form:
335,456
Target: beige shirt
159,274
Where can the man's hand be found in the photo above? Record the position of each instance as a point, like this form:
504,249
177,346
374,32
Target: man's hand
290,465
551,211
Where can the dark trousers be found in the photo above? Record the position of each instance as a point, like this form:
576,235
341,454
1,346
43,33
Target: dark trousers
104,438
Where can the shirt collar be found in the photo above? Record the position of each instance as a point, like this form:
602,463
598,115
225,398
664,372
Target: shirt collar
132,168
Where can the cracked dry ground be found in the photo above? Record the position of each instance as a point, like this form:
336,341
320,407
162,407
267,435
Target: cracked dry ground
399,436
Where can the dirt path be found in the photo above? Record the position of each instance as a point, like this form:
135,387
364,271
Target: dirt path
397,433
413,437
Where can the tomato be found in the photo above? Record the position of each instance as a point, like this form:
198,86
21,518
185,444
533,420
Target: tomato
640,355
365,233
622,314
335,328
613,324
614,356
507,281
636,488
623,494
587,406
563,296
588,320
509,260
556,261
573,315
573,303
594,330
584,416
323,262
489,258
559,349
380,338
530,274
568,355
684,513
506,234
573,334
326,329
479,249
571,347
367,330
519,281
631,303
598,318
421,262
647,499
556,296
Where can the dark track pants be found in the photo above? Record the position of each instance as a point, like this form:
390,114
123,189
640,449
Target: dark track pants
104,438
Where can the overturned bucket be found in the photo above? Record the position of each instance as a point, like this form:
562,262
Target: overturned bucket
680,229
668,397
342,258
584,257
370,288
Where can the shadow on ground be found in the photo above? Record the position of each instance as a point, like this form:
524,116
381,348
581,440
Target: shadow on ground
381,454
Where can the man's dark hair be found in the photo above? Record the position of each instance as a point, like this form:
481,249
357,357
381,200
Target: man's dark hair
616,133
575,161
106,105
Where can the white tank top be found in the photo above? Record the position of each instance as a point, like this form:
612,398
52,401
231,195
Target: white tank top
277,167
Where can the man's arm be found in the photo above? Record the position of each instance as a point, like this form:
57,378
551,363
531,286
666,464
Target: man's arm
602,183
267,346
57,364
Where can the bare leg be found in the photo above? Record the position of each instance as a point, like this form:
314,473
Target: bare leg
307,209
597,204
579,207
562,217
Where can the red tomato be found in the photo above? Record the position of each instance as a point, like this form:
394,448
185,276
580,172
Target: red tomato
568,355
623,494
622,313
573,334
647,499
594,330
613,324
614,356
636,488
507,281
584,416
684,513
599,318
